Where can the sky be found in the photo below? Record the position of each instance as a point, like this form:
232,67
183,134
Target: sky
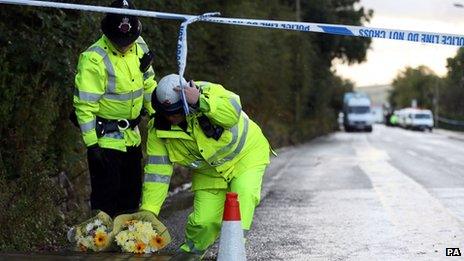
386,58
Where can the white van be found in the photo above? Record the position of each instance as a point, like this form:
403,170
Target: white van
357,112
416,119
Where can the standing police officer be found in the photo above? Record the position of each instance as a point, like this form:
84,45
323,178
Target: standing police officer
114,81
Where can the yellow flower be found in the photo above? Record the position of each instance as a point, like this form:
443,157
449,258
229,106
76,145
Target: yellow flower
128,246
100,239
122,237
139,247
157,242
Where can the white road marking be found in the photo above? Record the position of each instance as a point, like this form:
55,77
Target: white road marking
421,222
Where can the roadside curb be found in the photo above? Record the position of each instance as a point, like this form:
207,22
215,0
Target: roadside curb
450,134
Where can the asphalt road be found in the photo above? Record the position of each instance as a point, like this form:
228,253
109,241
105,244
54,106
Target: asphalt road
391,194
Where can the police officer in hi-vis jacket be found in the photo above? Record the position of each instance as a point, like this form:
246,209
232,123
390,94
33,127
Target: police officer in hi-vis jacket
225,149
114,82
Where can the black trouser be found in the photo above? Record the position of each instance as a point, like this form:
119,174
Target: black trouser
116,180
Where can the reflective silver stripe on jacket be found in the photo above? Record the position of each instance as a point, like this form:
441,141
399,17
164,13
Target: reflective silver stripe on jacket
197,164
147,97
87,96
125,96
142,44
224,149
158,178
111,87
234,131
148,74
158,160
236,105
88,126
239,147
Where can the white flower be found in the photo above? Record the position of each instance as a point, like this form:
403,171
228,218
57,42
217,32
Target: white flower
101,229
97,222
89,227
131,228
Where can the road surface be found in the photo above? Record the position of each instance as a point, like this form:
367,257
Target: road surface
391,194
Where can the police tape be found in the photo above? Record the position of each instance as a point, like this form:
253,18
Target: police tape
98,9
334,29
347,30
182,49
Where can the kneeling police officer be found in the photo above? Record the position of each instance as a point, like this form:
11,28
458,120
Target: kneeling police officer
225,149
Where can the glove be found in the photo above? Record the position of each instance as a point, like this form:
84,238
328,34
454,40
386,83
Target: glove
95,152
146,61
143,215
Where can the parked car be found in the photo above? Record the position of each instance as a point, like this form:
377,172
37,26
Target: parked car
416,119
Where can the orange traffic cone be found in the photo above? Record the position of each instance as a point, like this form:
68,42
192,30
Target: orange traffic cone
231,243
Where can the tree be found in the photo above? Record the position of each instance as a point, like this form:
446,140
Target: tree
452,94
418,84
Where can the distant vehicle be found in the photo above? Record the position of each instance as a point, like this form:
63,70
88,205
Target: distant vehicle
416,119
377,114
357,112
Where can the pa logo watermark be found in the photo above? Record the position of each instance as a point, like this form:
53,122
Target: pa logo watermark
453,251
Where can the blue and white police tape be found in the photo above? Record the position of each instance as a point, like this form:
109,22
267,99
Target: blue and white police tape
98,9
182,51
347,30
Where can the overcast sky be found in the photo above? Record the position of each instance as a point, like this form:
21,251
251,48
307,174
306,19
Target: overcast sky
387,57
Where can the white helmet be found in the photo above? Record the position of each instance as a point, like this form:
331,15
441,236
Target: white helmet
165,99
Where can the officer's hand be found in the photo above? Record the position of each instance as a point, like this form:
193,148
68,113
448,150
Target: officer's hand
191,93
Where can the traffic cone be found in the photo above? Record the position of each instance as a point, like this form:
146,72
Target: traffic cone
231,243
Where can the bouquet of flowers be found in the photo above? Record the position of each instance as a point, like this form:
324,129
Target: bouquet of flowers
94,234
140,233
139,237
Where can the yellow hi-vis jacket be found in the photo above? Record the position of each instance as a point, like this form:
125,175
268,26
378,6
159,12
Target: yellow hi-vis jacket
212,161
109,84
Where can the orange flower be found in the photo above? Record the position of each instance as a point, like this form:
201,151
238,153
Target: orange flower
139,247
157,242
100,239
82,248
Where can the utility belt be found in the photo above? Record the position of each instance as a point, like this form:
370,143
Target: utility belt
105,126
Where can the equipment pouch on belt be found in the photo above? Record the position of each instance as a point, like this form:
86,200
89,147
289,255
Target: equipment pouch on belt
105,126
